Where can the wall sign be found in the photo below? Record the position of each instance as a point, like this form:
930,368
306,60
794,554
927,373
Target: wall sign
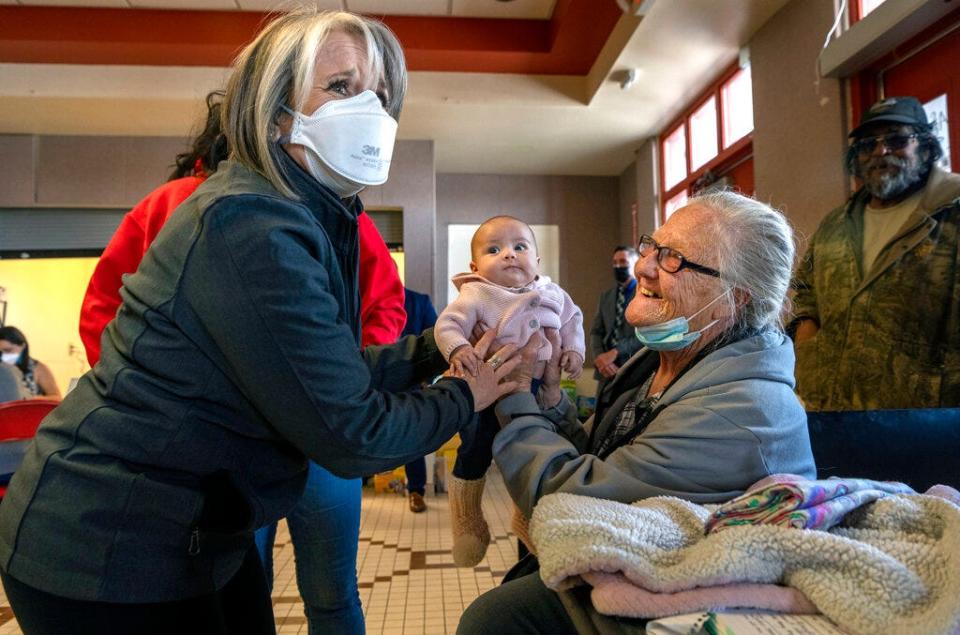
936,110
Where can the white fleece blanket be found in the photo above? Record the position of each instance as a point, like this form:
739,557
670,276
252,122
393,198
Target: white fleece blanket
892,566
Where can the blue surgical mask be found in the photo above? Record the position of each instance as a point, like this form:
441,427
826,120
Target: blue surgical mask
10,358
674,334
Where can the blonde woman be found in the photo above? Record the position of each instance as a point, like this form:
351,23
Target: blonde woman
233,359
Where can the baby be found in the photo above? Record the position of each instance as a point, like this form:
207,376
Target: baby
503,291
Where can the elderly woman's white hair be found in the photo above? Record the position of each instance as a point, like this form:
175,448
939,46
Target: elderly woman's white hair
755,253
276,69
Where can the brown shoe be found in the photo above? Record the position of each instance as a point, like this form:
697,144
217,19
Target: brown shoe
416,503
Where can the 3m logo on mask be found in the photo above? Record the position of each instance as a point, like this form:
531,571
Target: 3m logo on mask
370,151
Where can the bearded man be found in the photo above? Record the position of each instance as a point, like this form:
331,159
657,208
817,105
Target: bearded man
877,301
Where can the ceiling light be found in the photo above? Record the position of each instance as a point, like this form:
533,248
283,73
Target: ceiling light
627,78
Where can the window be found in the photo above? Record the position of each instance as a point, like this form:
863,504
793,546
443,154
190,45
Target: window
737,96
709,141
674,204
867,6
703,134
675,157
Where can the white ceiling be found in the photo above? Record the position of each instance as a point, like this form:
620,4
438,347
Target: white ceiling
514,9
480,123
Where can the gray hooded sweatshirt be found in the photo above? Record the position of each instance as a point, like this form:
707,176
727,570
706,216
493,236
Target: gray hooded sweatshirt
729,421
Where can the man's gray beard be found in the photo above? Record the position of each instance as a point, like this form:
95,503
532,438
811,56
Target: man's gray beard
887,186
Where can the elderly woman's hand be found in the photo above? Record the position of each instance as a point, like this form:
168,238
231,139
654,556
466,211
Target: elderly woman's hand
550,393
522,375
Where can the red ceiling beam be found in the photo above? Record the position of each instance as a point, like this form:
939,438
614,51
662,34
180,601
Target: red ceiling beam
566,44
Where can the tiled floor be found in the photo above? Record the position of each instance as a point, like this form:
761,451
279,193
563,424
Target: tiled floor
404,561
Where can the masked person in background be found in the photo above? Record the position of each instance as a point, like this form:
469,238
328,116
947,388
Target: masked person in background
38,380
135,508
611,336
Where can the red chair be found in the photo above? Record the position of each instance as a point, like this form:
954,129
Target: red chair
19,421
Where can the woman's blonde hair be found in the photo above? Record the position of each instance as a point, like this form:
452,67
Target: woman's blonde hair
276,70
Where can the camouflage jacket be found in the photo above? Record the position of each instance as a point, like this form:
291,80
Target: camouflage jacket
889,337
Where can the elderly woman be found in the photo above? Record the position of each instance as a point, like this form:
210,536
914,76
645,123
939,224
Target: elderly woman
233,359
706,409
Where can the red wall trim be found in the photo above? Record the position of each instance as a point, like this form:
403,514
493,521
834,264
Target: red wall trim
863,86
567,44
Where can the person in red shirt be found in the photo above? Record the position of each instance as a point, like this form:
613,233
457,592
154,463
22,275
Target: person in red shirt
329,539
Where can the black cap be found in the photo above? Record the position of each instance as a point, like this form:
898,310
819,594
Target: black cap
906,110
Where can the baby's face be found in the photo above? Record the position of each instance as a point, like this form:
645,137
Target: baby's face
506,254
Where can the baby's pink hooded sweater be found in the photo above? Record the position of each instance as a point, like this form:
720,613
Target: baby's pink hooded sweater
515,313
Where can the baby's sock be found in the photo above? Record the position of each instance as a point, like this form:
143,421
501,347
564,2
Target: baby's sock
471,536
521,529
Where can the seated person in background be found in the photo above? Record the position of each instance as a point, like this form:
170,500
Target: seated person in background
11,384
705,410
38,381
503,291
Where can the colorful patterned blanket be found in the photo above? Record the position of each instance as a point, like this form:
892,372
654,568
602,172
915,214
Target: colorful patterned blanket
791,501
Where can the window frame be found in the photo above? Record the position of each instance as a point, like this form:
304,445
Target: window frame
855,12
736,153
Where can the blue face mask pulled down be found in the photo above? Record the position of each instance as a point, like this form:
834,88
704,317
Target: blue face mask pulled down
674,334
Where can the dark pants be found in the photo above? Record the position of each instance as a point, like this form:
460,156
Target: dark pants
522,606
416,476
475,453
242,606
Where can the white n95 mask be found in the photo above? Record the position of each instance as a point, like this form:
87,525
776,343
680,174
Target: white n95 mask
349,142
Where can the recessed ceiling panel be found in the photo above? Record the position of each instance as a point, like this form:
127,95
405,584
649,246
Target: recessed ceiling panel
184,4
399,7
281,5
516,9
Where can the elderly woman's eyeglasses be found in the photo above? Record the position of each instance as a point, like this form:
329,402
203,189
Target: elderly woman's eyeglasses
669,259
891,142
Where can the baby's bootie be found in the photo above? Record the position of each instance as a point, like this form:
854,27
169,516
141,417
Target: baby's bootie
521,529
471,536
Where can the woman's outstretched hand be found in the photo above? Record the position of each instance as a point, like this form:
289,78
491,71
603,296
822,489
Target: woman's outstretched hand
489,383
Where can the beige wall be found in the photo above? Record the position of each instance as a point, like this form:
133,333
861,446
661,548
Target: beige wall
83,171
413,187
639,183
585,208
799,129
628,197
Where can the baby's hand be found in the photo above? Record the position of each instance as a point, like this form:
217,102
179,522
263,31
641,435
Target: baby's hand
572,362
465,359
